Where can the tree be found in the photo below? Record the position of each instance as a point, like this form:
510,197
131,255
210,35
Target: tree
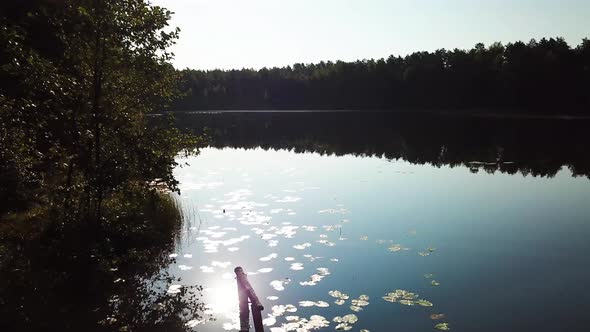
74,119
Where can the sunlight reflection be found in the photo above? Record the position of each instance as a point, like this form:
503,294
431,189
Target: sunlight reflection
223,297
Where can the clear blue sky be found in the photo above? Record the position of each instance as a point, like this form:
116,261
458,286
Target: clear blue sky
237,34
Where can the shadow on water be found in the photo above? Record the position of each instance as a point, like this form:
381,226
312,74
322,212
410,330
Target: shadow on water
73,278
540,147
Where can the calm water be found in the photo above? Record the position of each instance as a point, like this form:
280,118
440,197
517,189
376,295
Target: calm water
490,251
479,223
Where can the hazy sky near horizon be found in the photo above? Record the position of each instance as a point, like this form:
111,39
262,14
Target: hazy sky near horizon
234,34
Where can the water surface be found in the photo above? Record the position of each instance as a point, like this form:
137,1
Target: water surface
489,250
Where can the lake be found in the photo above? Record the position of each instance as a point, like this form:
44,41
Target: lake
410,223
360,221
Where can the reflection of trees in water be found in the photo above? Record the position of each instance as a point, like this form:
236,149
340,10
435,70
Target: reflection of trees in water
78,278
539,147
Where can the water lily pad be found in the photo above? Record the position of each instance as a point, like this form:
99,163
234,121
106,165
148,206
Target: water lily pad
442,326
343,327
434,283
302,246
306,303
424,303
296,266
437,316
350,318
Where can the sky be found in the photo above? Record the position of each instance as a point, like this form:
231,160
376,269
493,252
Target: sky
235,34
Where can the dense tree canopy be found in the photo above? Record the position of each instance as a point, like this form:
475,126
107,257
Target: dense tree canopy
539,76
77,79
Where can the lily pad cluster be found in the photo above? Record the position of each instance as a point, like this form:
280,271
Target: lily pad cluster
340,297
358,304
315,278
406,298
345,322
426,252
294,323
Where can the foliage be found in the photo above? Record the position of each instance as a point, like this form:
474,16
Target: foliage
78,81
538,76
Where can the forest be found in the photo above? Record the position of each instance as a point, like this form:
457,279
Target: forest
84,171
547,76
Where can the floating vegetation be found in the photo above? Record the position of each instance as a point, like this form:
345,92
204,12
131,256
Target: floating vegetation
435,283
295,323
345,322
326,242
334,259
427,252
279,285
406,298
364,238
428,275
309,228
302,246
442,326
279,310
338,294
268,258
424,303
358,304
334,211
395,247
270,320
222,265
315,278
437,316
320,304
340,297
296,266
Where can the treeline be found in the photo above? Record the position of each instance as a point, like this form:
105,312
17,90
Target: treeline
545,76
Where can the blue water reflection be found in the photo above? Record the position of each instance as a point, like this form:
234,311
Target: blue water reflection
508,251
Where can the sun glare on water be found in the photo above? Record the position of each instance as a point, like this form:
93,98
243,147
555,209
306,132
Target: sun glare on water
223,297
